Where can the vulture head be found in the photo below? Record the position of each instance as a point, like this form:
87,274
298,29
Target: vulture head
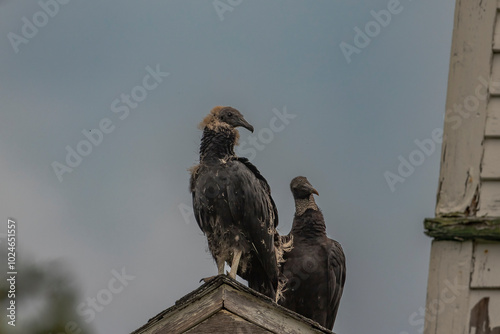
301,188
226,117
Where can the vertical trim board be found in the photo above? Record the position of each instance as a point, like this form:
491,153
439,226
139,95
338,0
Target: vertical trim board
470,64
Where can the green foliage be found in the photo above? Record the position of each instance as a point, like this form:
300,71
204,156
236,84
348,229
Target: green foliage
46,297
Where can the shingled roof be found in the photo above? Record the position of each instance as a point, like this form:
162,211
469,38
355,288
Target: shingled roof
226,306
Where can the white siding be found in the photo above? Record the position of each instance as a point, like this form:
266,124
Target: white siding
490,199
447,304
491,159
496,37
493,116
463,294
489,203
470,70
461,274
493,309
495,73
486,270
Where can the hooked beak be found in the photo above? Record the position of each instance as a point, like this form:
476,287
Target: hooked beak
245,124
311,189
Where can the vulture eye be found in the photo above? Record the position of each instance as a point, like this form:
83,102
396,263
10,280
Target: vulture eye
229,114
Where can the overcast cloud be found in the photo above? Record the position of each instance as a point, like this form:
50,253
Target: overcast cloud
356,103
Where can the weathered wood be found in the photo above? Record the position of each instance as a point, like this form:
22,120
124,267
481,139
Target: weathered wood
463,228
240,307
191,315
265,314
447,289
154,323
224,322
494,88
496,37
470,66
484,314
486,270
463,295
491,159
490,198
493,117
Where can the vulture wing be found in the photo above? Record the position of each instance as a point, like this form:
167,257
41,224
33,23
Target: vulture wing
336,279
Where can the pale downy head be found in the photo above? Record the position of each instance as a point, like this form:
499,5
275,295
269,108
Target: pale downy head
227,117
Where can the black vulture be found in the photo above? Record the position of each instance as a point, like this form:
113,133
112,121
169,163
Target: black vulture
233,205
315,267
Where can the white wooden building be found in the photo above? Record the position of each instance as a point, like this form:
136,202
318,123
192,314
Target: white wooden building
463,294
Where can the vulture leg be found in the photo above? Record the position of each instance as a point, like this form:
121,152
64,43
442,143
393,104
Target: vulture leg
220,266
220,271
235,264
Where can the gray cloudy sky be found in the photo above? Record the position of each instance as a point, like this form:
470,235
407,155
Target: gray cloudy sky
124,204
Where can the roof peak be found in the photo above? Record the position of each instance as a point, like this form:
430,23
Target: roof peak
225,294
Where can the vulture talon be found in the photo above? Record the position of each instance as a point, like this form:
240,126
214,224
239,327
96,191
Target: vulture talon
207,279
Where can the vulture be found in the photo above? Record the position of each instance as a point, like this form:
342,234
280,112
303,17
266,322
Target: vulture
233,206
315,268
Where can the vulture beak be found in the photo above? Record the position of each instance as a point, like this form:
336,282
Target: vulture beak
242,122
311,189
